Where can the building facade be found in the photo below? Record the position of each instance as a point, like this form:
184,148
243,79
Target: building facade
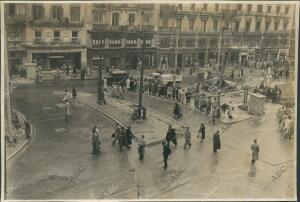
161,34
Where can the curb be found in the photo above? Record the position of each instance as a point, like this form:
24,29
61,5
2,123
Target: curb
24,143
197,110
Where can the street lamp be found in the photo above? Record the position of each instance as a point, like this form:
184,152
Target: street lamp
100,94
141,65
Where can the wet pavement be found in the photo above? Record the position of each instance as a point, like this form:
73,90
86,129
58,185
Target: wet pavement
43,170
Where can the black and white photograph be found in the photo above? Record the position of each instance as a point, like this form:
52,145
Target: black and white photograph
149,100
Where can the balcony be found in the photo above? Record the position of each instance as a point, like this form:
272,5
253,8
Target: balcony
47,22
123,28
15,19
55,41
167,29
14,45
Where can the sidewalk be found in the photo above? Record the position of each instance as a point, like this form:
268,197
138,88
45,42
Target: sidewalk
14,149
154,128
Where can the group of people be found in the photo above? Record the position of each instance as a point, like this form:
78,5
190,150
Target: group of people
285,122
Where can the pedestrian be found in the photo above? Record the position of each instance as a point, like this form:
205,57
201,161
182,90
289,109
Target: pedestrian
229,111
216,141
27,124
177,111
141,148
116,135
202,132
67,110
196,100
127,84
68,69
105,84
166,153
123,141
255,151
129,136
187,137
82,74
74,92
171,135
96,141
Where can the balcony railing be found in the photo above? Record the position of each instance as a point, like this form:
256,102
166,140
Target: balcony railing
45,22
167,29
15,19
123,28
55,41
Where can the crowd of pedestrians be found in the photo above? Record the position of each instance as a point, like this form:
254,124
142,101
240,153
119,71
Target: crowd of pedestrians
285,121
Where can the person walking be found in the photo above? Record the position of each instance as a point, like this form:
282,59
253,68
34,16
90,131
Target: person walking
116,135
216,141
74,92
255,151
202,132
105,84
129,136
177,111
166,153
96,141
27,124
141,148
187,137
171,135
123,141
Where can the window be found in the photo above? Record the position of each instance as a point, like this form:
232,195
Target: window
180,42
217,6
276,26
56,35
131,42
179,6
237,26
269,9
249,7
267,26
179,23
57,12
74,34
165,22
278,9
213,42
248,24
258,24
191,24
37,34
147,42
215,25
285,25
204,7
259,8
99,17
115,19
147,18
193,7
115,42
239,7
190,43
98,42
131,19
37,12
203,25
75,14
287,8
164,43
12,9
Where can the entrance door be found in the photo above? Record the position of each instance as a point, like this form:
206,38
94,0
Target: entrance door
201,59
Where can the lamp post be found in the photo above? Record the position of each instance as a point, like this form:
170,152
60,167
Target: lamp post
141,65
100,82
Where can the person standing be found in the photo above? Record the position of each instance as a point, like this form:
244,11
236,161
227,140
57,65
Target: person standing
123,140
68,69
27,124
105,84
187,137
166,153
96,141
216,141
141,148
255,151
202,132
66,100
127,84
74,92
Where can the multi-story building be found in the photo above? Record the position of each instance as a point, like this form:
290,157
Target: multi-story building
246,31
50,35
170,34
121,33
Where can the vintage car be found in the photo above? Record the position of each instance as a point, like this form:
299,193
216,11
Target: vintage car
116,76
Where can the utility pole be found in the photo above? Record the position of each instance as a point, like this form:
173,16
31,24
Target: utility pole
140,63
100,82
219,48
177,41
